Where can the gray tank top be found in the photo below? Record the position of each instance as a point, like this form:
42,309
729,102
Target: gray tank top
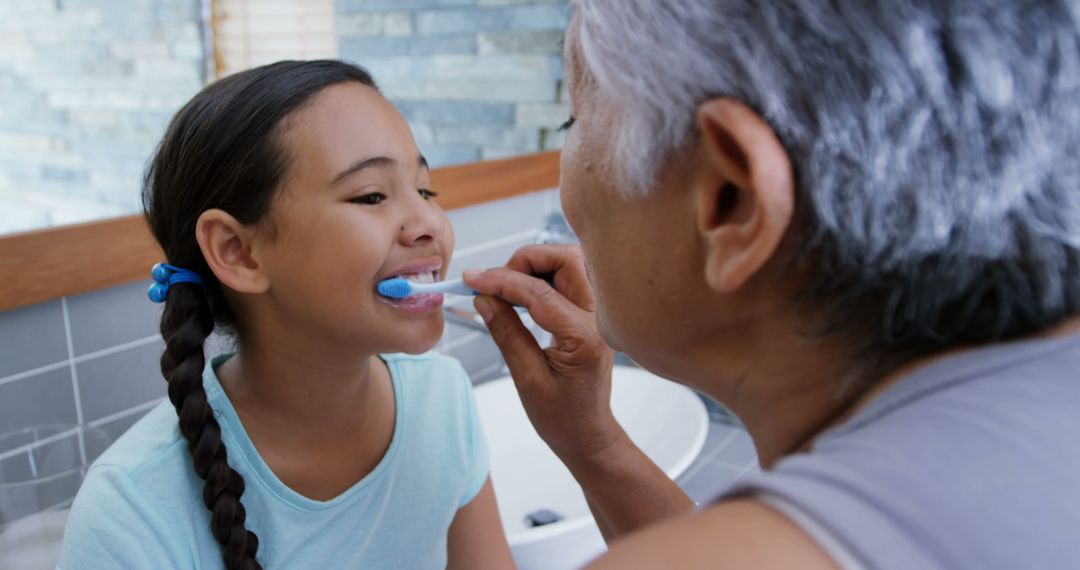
971,462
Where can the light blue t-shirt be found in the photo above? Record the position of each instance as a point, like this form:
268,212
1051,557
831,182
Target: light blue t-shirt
141,503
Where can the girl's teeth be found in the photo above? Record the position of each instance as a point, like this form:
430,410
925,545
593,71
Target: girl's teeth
426,277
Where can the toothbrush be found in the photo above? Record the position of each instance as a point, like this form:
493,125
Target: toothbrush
400,288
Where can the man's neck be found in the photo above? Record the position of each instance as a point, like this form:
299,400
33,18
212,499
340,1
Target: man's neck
793,393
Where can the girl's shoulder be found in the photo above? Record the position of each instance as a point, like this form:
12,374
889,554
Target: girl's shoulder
152,439
148,460
433,395
125,511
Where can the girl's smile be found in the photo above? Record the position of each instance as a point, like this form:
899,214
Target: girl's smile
425,270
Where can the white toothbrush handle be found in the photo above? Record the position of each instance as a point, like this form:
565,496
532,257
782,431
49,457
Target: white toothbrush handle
453,286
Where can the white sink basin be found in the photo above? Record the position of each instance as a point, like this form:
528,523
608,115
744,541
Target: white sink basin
33,542
667,421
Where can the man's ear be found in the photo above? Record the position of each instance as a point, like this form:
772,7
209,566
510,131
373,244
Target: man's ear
229,249
744,192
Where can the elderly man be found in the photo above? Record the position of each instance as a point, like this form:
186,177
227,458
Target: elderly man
857,224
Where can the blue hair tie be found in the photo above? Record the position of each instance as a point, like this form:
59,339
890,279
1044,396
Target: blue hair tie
166,276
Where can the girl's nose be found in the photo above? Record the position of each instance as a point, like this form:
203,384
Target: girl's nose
422,222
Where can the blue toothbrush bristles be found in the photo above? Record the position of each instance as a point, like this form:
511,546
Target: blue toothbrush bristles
395,288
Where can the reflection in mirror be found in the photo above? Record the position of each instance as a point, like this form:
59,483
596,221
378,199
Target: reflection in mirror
88,86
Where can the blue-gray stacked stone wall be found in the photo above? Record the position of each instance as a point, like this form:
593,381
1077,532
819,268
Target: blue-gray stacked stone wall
477,79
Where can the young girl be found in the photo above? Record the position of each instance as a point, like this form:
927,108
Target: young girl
281,197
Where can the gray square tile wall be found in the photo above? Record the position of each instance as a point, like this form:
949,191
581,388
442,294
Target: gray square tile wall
728,455
87,360
89,363
32,337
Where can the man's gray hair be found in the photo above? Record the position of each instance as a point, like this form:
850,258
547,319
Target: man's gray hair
935,142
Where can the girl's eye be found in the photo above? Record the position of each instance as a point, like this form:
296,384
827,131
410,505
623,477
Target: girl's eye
565,126
371,199
427,194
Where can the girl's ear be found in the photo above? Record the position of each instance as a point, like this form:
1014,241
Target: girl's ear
227,246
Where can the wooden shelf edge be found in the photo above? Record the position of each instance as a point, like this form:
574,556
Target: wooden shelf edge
58,262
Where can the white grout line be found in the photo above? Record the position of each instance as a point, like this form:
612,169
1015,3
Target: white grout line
117,348
78,431
748,467
125,413
731,464
497,242
74,379
39,443
690,472
705,458
80,359
711,455
35,371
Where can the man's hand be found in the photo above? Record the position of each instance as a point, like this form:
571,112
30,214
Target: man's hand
565,388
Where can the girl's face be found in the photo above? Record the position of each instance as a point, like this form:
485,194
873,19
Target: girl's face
354,208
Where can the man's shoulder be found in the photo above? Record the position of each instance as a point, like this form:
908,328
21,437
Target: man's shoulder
739,533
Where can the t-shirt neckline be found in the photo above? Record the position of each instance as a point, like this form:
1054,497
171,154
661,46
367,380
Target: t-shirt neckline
239,443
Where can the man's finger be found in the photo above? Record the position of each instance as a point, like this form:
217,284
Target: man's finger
553,312
524,357
565,262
